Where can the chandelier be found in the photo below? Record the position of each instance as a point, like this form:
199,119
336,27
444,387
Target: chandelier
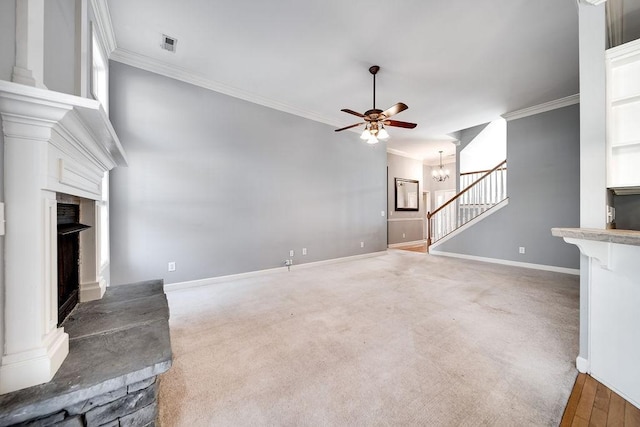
440,174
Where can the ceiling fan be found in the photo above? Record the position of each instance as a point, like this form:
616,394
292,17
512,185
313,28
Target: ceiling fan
375,120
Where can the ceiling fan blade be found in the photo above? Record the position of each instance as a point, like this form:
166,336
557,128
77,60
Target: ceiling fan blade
349,127
355,113
399,107
398,124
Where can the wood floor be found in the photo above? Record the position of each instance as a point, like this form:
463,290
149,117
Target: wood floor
594,404
422,247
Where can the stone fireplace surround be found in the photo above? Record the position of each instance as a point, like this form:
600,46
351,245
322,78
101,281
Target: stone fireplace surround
54,144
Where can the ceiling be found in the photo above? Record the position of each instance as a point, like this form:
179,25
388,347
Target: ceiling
455,63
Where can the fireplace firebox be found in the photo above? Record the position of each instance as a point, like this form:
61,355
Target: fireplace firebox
69,228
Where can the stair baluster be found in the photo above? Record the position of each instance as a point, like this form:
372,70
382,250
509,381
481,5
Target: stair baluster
481,191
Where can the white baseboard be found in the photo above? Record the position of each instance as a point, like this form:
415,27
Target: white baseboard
36,366
171,287
615,389
399,245
553,268
92,291
582,365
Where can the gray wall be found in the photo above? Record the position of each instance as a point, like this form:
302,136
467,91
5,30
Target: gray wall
627,212
404,226
59,45
7,38
223,186
543,153
631,21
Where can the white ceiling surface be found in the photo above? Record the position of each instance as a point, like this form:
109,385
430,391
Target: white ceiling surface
455,63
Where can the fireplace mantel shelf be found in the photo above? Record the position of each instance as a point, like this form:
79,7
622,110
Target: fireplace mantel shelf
119,340
15,97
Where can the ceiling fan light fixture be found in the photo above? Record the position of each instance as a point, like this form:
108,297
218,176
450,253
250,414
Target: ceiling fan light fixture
375,118
382,133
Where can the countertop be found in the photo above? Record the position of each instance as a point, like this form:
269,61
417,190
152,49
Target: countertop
624,237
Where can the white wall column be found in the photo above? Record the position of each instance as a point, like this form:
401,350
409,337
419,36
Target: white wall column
29,67
593,192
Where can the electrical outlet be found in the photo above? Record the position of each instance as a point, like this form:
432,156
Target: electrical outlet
291,252
304,251
381,213
362,244
521,249
171,266
403,235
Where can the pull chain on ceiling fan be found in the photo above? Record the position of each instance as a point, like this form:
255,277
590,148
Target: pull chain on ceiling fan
375,120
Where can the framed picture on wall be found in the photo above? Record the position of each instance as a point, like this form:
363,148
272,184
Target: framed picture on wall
407,191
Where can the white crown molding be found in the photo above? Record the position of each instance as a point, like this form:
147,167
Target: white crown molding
103,22
158,67
402,154
542,108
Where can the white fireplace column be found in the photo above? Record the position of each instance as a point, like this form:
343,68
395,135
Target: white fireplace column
54,143
34,346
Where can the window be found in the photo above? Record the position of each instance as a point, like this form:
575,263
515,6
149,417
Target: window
103,215
99,77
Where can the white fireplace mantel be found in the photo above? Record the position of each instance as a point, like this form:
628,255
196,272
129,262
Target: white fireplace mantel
53,143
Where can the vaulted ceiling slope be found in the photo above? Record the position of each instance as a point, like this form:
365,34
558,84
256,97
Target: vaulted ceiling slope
455,63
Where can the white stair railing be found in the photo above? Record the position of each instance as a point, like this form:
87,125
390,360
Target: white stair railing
482,191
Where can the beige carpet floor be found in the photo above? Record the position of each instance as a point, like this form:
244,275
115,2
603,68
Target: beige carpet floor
399,339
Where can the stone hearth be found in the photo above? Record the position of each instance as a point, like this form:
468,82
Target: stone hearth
119,344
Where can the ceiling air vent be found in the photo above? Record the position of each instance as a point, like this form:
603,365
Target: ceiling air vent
169,43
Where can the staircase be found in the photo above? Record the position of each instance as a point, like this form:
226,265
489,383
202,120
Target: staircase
481,192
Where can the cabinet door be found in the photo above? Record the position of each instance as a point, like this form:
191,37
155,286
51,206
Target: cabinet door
623,116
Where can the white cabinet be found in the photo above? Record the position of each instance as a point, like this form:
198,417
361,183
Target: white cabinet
613,298
623,118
